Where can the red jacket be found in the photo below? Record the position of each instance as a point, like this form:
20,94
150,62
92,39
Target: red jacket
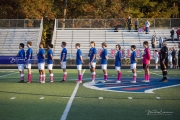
178,32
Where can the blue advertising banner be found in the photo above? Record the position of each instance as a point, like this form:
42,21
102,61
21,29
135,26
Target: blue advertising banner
16,60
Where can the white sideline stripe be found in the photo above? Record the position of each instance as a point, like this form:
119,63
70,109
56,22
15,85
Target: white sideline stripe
12,98
8,74
68,106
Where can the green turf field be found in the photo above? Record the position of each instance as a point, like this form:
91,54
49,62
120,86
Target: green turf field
35,101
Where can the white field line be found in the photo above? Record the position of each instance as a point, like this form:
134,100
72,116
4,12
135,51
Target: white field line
68,106
8,74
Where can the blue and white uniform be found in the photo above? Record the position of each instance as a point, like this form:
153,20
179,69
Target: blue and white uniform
41,60
104,53
78,59
156,57
92,62
29,54
133,60
21,58
63,52
49,60
118,61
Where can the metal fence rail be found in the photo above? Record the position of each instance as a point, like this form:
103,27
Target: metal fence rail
111,23
20,23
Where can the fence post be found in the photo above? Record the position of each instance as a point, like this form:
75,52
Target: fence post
154,23
170,23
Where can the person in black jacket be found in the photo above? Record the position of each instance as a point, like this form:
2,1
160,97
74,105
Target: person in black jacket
129,23
172,34
164,61
179,56
174,57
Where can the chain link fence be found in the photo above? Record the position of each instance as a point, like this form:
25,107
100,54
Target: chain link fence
19,23
112,23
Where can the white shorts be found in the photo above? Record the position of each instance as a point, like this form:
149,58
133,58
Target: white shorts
79,67
63,65
156,61
20,67
103,66
41,66
170,59
92,65
133,66
50,66
28,66
117,68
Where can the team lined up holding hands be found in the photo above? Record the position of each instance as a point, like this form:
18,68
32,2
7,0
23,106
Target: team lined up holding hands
79,61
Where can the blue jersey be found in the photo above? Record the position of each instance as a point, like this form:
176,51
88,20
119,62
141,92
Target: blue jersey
92,52
41,54
63,52
103,56
133,57
118,59
21,56
78,59
49,60
29,54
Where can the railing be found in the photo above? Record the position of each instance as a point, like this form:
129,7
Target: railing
111,23
40,34
20,23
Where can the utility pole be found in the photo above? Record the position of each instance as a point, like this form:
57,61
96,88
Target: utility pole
64,14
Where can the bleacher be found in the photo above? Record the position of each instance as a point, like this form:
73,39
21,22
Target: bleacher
11,37
122,37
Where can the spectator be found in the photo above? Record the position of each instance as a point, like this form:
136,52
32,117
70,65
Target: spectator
172,35
136,24
153,41
179,56
129,22
170,57
147,25
178,33
174,57
160,42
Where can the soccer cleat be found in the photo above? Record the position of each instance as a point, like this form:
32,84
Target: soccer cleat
22,81
133,81
63,80
118,81
29,82
93,81
42,81
51,81
164,80
145,81
79,81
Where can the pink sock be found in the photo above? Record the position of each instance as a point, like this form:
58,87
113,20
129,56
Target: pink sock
40,78
145,77
80,77
29,77
119,75
64,76
134,78
93,77
148,77
106,77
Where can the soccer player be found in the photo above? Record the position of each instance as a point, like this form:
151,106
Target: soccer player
79,62
29,54
164,61
104,59
156,56
21,57
41,63
92,60
133,63
63,60
146,62
118,63
50,61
